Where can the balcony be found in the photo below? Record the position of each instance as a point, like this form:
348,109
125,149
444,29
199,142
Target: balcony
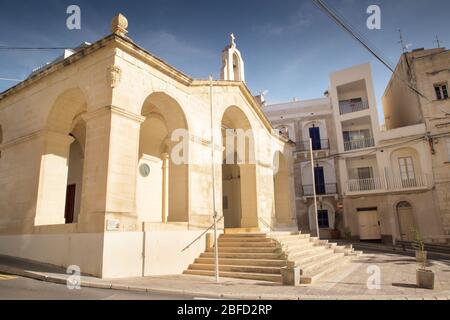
321,189
352,106
358,144
323,144
377,184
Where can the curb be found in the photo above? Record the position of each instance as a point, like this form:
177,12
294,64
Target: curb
228,296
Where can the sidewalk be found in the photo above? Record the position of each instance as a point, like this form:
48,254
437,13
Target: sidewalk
397,282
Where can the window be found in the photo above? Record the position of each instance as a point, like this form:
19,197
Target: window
358,139
366,180
407,172
441,91
365,173
322,216
406,168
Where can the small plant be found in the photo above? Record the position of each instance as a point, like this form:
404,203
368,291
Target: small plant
348,234
419,245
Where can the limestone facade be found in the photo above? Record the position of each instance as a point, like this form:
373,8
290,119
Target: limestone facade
386,188
106,162
428,71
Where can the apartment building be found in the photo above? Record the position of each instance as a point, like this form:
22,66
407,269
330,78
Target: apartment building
385,187
300,121
427,72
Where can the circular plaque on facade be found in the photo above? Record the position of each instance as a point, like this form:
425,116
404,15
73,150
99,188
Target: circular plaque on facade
144,170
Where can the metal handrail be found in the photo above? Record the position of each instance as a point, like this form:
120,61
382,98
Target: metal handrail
204,232
266,224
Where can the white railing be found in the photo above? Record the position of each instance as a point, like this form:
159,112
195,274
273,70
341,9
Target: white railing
349,107
389,183
321,189
398,183
358,144
358,185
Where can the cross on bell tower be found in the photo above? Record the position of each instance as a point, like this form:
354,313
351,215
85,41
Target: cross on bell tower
232,63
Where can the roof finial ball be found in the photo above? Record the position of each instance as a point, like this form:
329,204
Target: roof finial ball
119,25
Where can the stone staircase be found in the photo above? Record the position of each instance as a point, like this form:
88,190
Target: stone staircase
260,256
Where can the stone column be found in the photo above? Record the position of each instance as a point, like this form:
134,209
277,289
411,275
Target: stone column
51,200
110,169
165,186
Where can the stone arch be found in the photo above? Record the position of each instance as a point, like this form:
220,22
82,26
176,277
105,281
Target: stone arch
163,192
61,173
403,154
405,220
238,170
68,106
322,205
281,189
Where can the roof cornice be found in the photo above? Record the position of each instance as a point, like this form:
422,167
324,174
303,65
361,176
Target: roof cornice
131,47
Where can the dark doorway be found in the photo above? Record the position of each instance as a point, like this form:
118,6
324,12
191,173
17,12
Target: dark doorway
319,180
70,203
322,216
314,134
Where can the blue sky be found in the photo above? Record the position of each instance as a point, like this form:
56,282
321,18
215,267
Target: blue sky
289,47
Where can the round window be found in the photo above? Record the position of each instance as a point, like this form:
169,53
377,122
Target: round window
144,170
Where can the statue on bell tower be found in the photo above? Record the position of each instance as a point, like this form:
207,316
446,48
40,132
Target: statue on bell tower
232,63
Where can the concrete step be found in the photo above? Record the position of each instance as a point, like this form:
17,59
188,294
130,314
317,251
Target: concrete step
244,235
239,275
248,249
317,264
234,255
296,242
313,256
249,239
283,233
325,270
272,244
236,268
298,247
245,255
243,262
307,252
289,238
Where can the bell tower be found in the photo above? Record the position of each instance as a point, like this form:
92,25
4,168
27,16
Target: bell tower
232,63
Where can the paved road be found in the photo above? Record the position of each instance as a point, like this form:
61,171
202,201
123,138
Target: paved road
18,288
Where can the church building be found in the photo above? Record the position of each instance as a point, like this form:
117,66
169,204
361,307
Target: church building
114,161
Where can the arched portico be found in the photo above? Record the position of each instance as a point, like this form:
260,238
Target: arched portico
239,199
61,169
281,189
162,179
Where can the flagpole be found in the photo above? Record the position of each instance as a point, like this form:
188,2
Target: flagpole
216,245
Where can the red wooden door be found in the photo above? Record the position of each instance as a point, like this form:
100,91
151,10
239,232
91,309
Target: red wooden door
70,203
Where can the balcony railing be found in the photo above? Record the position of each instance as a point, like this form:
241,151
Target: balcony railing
323,144
321,189
358,144
365,185
349,107
388,184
